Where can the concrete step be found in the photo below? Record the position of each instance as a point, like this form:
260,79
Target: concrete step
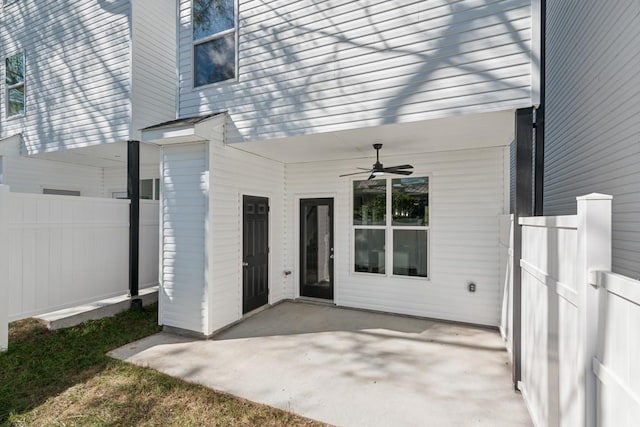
72,316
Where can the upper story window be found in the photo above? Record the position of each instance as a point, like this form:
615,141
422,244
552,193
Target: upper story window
14,81
214,41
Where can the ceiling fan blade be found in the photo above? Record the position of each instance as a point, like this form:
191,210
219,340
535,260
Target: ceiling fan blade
355,173
371,176
398,172
400,167
365,169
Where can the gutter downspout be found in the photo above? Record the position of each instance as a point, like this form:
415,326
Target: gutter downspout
538,209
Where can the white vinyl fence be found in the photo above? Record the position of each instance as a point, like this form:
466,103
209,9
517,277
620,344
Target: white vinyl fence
580,342
506,276
61,251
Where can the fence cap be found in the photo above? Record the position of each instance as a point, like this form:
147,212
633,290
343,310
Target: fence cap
595,196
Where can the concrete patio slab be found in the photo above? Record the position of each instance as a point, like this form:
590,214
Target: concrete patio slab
349,367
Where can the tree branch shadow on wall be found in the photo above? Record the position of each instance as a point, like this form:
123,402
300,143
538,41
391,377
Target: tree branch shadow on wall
77,84
276,102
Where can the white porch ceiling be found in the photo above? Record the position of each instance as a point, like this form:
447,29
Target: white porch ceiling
446,134
451,133
112,155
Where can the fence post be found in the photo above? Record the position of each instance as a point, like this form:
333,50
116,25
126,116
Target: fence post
594,254
4,267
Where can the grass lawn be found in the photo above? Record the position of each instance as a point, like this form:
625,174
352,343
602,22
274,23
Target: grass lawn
65,378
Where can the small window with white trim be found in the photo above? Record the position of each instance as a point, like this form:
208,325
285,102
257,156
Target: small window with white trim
14,83
149,190
214,41
391,226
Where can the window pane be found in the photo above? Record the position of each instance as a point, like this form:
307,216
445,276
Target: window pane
370,202
410,201
211,17
15,69
16,101
369,256
156,189
146,189
410,252
215,60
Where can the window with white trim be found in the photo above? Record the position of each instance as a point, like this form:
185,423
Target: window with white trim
14,82
214,41
149,190
391,226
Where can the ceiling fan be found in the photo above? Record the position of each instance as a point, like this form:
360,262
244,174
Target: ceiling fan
379,169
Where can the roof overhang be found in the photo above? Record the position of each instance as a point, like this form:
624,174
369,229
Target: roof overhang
185,130
469,131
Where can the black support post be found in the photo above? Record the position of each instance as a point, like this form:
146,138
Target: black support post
523,207
133,192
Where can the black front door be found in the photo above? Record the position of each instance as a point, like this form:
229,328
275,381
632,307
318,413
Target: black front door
316,248
255,252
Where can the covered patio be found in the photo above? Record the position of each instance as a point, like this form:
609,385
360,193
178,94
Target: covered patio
349,367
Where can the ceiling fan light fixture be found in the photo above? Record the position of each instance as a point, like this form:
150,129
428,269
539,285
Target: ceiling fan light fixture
378,168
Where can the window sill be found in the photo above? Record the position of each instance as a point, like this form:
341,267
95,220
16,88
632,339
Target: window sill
15,117
216,84
384,276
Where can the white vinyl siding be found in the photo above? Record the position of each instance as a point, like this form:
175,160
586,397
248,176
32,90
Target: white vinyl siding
592,134
184,204
153,71
308,67
235,173
78,75
467,192
31,175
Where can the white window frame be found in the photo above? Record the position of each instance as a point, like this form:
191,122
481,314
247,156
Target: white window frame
15,86
215,36
155,190
389,228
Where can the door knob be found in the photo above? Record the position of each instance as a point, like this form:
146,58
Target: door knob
245,264
331,256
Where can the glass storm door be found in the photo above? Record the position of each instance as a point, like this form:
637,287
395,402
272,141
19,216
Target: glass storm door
316,248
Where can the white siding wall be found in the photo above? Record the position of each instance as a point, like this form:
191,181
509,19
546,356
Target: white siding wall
467,193
77,71
235,173
183,297
592,138
154,63
307,66
31,175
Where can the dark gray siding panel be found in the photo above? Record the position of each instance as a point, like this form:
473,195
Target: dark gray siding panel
592,110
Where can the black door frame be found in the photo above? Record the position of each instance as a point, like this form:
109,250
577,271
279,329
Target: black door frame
245,308
329,295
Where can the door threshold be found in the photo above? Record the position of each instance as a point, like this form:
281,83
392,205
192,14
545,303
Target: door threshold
312,300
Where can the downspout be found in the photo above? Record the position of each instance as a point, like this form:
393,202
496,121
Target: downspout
539,126
133,193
